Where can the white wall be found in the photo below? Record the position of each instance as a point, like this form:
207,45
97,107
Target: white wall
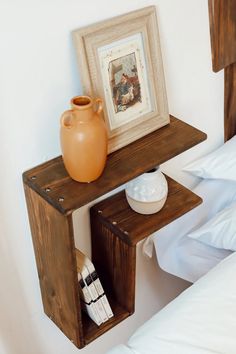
38,76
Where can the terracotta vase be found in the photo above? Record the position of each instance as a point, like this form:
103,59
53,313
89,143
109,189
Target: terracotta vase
84,139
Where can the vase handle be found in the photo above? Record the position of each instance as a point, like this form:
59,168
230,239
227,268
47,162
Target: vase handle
67,119
99,103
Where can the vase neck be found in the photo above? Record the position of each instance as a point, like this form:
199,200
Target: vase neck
83,108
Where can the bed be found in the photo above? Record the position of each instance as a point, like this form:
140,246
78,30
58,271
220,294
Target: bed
202,320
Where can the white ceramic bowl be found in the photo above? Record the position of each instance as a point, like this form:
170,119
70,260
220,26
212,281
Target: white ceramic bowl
146,207
147,193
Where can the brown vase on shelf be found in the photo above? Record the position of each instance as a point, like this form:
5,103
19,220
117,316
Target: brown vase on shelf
84,139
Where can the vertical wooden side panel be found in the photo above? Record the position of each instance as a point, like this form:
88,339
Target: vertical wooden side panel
53,241
222,15
230,101
115,262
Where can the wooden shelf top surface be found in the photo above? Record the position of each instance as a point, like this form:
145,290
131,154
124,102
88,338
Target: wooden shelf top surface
52,182
132,227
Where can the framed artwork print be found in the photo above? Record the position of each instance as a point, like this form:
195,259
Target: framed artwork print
120,61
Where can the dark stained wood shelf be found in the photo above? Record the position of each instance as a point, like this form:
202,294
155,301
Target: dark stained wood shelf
132,227
52,196
51,181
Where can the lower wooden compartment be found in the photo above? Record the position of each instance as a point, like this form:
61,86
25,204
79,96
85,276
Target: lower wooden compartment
92,331
115,231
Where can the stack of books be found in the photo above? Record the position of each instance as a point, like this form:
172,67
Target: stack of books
93,299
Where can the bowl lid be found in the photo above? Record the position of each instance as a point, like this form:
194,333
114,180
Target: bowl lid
145,189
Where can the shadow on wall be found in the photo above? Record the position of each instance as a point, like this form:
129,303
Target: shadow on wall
17,333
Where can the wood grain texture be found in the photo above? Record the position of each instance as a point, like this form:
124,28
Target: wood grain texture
52,196
114,260
230,102
222,15
53,241
132,227
51,181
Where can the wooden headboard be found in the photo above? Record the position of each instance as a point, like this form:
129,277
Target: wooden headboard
223,46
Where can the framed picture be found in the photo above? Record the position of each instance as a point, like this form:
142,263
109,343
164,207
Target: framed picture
120,61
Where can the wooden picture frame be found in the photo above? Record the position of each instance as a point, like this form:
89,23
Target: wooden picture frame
120,61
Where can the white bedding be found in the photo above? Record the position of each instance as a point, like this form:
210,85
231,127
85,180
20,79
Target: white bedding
182,256
202,320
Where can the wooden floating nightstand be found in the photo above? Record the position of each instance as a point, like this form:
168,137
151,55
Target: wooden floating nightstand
116,229
52,196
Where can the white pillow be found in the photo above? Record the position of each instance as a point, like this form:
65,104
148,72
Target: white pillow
219,231
219,164
182,256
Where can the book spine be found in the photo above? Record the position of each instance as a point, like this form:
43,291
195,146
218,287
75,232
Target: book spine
107,306
101,293
90,285
101,309
90,310
87,302
94,295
